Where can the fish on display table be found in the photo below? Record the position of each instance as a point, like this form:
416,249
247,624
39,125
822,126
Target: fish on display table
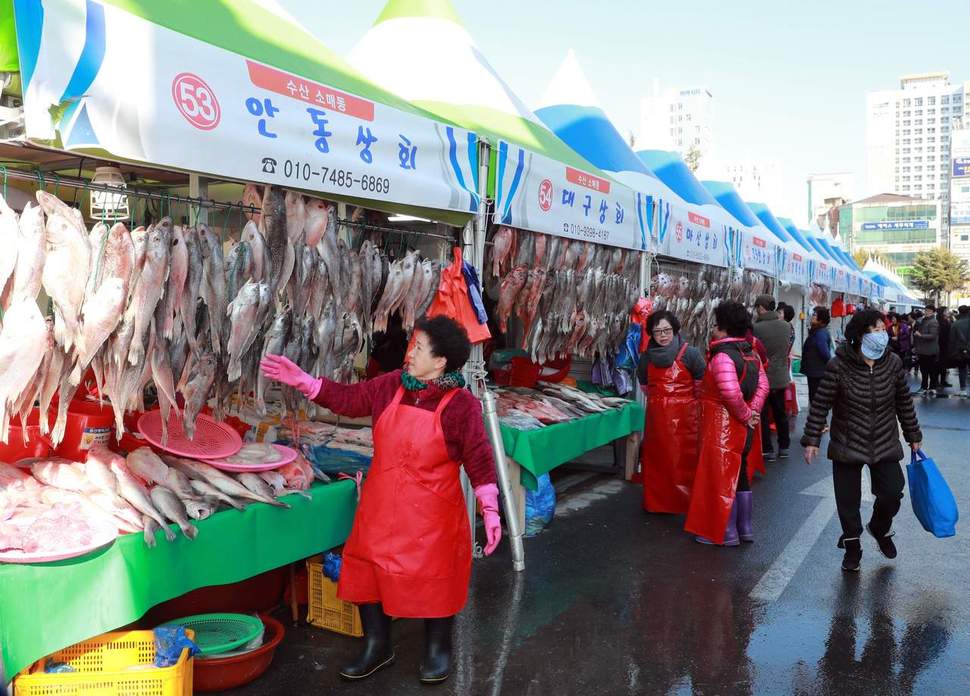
170,506
137,495
258,486
226,484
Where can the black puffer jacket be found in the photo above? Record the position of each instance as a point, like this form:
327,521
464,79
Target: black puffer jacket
865,403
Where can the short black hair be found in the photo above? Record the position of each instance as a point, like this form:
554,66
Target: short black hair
449,340
823,315
859,325
788,312
655,318
765,302
733,318
964,309
929,308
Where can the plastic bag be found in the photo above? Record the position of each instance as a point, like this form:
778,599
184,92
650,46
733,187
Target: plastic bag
169,643
332,563
933,502
540,506
629,353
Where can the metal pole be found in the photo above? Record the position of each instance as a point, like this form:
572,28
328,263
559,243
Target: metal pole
502,470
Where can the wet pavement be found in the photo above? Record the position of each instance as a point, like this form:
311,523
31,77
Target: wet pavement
615,601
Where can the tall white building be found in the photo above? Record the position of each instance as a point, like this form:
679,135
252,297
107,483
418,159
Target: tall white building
960,189
908,136
828,190
757,181
677,119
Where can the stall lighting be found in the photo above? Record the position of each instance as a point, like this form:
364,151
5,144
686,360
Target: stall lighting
107,205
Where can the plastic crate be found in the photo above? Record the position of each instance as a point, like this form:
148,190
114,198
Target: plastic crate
325,609
104,668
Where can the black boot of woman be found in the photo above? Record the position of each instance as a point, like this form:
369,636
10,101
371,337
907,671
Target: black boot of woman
436,665
378,651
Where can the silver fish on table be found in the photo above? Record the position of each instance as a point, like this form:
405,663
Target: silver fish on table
170,506
67,265
228,485
277,483
206,490
151,527
144,463
136,494
196,390
259,487
151,285
199,508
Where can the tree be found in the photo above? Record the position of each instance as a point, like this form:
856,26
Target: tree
693,158
939,270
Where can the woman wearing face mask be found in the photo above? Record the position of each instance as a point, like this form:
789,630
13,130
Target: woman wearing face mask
409,552
668,372
865,388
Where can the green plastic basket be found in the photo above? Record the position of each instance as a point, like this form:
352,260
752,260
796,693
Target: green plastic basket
219,633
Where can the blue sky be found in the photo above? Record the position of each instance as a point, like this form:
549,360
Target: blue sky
789,77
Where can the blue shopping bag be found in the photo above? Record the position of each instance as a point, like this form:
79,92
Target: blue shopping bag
933,502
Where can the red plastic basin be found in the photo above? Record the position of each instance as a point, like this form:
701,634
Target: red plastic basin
23,443
219,674
88,422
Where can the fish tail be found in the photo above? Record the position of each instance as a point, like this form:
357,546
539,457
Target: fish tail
189,530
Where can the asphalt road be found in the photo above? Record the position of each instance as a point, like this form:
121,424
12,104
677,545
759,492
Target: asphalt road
615,601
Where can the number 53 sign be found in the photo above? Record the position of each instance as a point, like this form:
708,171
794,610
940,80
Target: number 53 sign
196,101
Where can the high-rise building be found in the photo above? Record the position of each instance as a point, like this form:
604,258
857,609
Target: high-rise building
908,136
960,189
677,119
827,192
756,181
894,226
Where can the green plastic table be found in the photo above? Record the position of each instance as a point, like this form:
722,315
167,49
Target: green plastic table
46,607
540,451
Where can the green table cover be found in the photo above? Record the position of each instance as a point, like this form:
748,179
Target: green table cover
540,451
50,606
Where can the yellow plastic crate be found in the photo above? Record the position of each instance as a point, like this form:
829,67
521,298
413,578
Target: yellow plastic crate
113,664
325,609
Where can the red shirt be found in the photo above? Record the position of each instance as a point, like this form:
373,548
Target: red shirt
461,420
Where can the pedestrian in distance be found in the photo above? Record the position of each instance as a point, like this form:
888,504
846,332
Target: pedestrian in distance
775,334
817,350
787,314
669,372
900,337
927,341
733,391
945,320
865,389
409,550
959,349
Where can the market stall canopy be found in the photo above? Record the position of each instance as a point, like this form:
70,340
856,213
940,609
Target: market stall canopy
761,250
890,279
538,181
230,89
694,217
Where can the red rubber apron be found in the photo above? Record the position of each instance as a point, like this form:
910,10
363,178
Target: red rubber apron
410,546
668,455
718,465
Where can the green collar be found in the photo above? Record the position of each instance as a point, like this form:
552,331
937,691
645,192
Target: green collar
449,380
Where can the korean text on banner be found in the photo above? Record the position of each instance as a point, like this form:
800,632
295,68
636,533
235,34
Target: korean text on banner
537,193
693,237
759,253
142,92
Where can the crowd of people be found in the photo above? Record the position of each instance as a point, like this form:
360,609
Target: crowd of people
712,418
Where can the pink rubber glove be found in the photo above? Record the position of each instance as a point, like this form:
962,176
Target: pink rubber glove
282,369
487,495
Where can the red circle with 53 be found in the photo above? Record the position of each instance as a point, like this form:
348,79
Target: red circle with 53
196,101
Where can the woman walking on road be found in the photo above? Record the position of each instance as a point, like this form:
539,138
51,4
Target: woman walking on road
669,370
865,388
409,553
733,391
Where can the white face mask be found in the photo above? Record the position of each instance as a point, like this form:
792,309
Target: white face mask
874,344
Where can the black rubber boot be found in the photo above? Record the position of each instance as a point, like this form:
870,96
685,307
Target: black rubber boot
436,665
377,652
853,554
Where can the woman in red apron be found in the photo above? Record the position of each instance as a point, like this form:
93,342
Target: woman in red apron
669,371
409,552
734,390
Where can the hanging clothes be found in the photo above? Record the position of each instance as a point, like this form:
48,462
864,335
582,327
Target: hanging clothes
722,439
453,301
668,454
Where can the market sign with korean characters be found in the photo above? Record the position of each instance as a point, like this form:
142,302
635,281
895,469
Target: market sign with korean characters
537,193
119,84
